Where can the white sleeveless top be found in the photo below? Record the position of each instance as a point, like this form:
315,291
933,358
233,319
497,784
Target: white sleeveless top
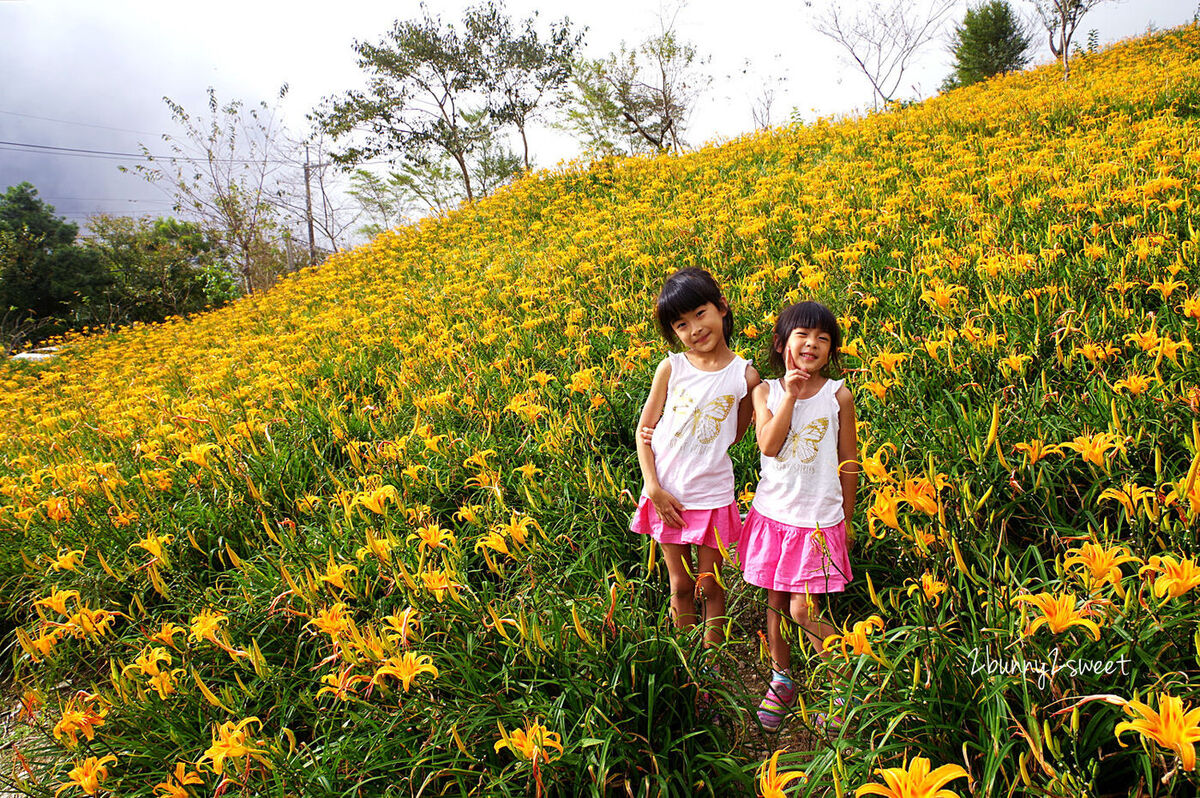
699,423
799,486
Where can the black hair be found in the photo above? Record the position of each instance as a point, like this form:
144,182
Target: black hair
683,292
808,315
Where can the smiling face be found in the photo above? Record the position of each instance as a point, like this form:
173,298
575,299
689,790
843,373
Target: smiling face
809,348
702,329
809,333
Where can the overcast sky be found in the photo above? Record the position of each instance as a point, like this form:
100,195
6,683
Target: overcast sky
91,75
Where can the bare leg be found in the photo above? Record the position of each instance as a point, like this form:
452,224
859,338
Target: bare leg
711,594
805,611
779,649
683,586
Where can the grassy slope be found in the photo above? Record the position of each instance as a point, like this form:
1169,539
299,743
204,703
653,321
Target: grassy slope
1024,245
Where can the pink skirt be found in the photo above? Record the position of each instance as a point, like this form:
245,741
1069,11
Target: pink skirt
794,559
698,525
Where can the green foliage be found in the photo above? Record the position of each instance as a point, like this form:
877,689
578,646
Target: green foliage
991,40
636,100
44,276
520,70
159,268
224,172
390,201
126,270
434,94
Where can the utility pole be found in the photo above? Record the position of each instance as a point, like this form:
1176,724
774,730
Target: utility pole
312,245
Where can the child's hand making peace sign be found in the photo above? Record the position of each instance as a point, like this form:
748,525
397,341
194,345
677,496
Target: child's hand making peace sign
795,377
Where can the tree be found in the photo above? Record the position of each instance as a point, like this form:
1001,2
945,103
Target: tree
390,201
883,37
434,94
224,171
637,100
1061,19
158,268
992,40
520,70
43,274
422,79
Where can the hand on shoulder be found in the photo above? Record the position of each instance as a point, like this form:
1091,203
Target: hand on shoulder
753,379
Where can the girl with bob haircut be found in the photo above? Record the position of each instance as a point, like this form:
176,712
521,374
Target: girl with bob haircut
697,408
794,538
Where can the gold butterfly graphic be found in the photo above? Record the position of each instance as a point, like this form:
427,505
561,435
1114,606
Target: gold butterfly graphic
703,421
802,444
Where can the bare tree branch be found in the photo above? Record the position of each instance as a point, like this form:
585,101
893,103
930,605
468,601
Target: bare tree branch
882,38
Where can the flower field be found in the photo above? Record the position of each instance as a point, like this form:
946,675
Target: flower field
366,533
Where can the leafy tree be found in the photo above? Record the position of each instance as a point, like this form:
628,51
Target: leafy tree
433,93
637,100
992,40
390,200
883,37
43,274
159,268
1061,19
423,79
225,172
495,163
384,200
520,69
594,116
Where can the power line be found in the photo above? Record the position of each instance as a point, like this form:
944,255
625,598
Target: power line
80,124
100,199
46,149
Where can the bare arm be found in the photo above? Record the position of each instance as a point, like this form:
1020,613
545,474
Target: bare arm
666,505
848,466
746,406
771,429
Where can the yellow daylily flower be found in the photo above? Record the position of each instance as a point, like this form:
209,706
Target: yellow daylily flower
405,627
335,574
532,743
333,621
406,668
82,714
1101,565
439,583
340,685
1175,577
1175,726
914,780
771,782
1036,449
1093,448
67,560
1130,496
88,774
57,600
1059,613
432,536
930,587
176,785
205,626
230,740
855,641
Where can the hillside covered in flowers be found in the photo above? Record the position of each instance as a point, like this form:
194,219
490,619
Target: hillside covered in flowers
366,533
